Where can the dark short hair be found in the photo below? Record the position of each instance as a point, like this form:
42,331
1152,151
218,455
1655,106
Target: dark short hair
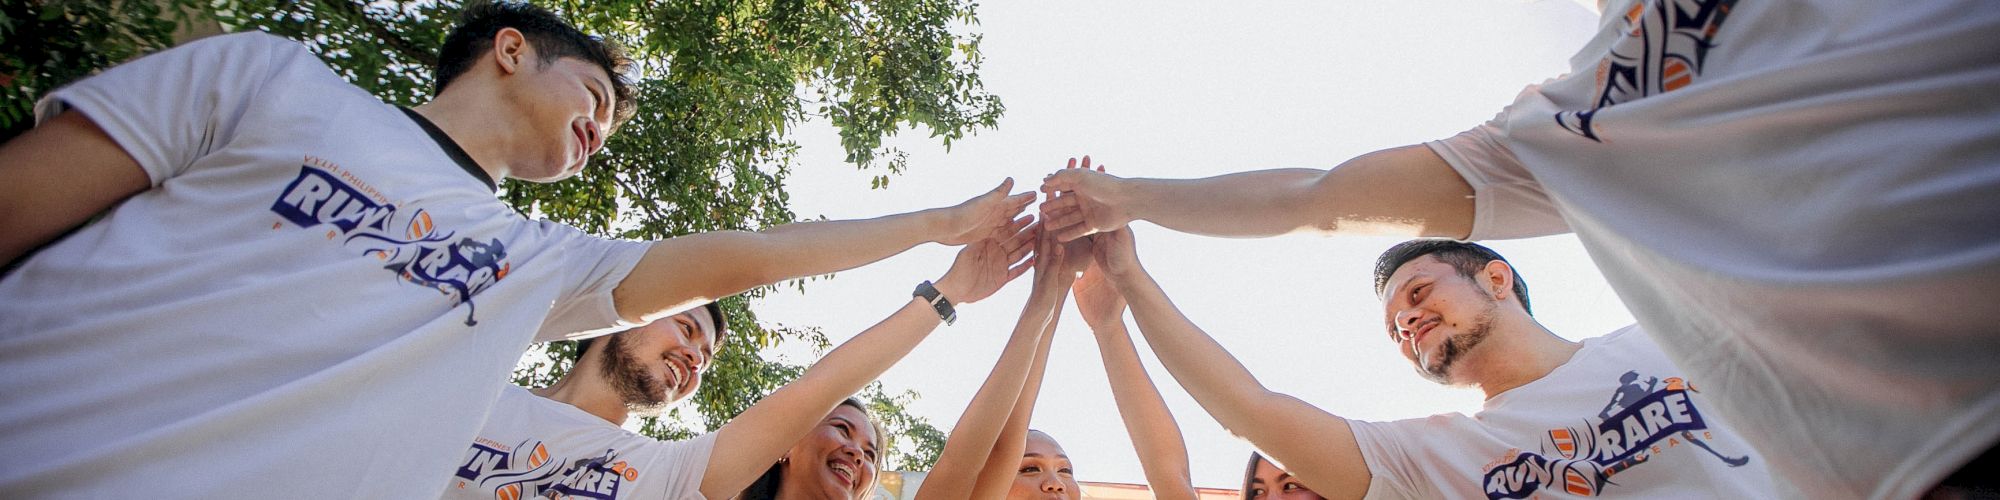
1467,257
714,313
552,37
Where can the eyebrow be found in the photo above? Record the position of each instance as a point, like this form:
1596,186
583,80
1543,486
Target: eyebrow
1038,455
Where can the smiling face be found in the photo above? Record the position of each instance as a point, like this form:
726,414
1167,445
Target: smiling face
655,365
1268,482
567,105
1439,316
836,460
1045,472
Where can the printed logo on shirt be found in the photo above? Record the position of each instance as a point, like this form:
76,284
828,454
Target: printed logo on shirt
413,247
495,467
1641,421
1664,46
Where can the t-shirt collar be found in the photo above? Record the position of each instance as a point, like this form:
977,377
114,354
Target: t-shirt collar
451,149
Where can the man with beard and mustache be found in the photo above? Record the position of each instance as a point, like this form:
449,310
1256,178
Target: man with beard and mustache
1461,314
565,440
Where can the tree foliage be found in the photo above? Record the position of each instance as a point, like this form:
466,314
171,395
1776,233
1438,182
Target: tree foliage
720,84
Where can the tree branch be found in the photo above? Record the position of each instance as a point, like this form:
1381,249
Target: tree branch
357,12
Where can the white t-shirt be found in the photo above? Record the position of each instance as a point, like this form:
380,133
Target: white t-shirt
536,447
1801,201
1617,420
316,298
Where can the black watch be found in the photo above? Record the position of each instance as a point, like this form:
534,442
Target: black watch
930,294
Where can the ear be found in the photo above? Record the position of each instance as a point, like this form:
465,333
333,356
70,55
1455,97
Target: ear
1498,279
510,49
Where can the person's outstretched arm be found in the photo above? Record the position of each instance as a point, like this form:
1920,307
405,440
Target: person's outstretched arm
751,442
983,434
1004,462
1316,446
56,176
1155,436
687,271
1405,191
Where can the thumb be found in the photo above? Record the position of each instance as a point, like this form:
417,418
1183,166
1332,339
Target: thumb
1005,186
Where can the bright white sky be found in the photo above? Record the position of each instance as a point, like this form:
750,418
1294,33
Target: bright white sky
1191,90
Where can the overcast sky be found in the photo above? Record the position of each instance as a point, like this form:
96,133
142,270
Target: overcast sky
1193,89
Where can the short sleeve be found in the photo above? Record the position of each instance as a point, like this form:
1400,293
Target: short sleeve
677,468
1508,202
173,107
1392,471
592,268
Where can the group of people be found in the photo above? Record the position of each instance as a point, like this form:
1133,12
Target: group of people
233,274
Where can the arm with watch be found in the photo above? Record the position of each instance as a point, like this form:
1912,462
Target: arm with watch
758,437
984,451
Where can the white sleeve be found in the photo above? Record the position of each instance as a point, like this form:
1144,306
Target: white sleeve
677,468
1508,202
593,268
171,108
1392,471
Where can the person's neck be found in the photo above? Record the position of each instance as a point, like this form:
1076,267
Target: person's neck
1518,351
784,493
468,118
588,393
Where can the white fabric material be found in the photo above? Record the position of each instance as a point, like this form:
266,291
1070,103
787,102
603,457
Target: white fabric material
291,309
1799,200
535,447
1617,420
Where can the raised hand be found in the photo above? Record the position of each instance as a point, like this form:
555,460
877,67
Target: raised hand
1100,304
1055,266
985,216
1114,253
1092,202
988,264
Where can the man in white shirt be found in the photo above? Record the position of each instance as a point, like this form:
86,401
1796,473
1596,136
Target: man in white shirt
565,439
1608,416
1795,198
293,283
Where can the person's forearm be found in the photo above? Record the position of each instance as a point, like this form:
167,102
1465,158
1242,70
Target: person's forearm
1155,436
1210,374
1317,446
1244,204
979,427
813,248
1004,462
1406,191
686,271
758,437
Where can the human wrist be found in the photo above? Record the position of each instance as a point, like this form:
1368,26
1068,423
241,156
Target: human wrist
1107,326
950,287
1133,196
937,224
928,293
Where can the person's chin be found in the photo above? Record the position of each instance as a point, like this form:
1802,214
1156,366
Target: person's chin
833,487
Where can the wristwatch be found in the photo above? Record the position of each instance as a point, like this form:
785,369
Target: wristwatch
930,293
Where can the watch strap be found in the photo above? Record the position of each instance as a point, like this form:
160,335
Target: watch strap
937,300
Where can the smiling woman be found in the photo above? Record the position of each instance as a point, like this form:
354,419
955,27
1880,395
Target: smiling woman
838,460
